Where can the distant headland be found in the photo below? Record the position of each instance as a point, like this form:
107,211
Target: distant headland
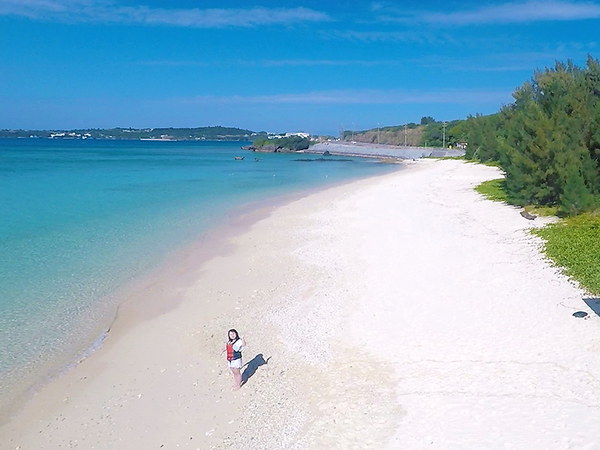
213,133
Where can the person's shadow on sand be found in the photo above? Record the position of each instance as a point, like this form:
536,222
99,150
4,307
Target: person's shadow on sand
252,366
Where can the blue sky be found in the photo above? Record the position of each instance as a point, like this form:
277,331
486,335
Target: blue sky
315,66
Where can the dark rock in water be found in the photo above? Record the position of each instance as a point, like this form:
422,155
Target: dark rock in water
270,148
527,215
326,153
248,147
580,314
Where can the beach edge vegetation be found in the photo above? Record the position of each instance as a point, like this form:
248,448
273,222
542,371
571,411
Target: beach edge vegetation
572,243
547,144
493,190
547,141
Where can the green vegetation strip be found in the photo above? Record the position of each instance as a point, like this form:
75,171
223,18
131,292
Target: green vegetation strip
573,243
493,190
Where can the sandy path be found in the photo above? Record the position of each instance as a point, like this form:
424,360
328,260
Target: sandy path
401,311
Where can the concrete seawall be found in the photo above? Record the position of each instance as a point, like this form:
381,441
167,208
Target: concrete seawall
384,151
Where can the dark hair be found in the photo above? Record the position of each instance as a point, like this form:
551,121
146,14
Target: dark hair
237,335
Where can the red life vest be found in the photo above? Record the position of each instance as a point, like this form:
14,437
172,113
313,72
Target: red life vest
231,353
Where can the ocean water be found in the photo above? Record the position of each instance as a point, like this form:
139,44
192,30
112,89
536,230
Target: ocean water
81,218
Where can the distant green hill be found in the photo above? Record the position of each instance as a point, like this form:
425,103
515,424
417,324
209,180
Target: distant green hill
394,135
177,134
429,133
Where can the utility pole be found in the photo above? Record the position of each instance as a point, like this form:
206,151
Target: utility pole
444,138
405,131
377,132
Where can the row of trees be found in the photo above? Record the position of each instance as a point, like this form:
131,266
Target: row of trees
548,140
444,134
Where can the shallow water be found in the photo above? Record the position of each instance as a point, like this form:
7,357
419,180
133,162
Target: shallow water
81,218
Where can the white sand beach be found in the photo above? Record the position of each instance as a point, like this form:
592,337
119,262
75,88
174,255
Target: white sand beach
402,311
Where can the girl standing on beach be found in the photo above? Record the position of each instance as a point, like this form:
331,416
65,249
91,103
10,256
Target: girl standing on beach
234,348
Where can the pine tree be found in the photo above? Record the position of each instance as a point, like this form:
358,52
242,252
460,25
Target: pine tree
592,138
529,159
474,136
575,196
548,140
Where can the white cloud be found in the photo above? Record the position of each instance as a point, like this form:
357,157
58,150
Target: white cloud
511,12
500,61
274,63
534,11
324,62
364,97
38,8
110,12
410,37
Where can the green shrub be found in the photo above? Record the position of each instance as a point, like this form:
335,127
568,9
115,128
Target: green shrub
547,140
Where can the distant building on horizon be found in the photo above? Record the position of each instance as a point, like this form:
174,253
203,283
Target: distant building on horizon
301,134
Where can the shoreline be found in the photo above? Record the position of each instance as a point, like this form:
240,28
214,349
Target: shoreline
479,325
139,300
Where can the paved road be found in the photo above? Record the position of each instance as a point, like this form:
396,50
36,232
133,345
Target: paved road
338,148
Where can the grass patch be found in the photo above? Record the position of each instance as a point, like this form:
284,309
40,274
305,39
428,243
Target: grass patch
493,190
542,210
574,243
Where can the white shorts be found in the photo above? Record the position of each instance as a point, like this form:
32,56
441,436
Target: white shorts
235,364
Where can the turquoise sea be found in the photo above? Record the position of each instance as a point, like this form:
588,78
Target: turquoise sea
80,218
